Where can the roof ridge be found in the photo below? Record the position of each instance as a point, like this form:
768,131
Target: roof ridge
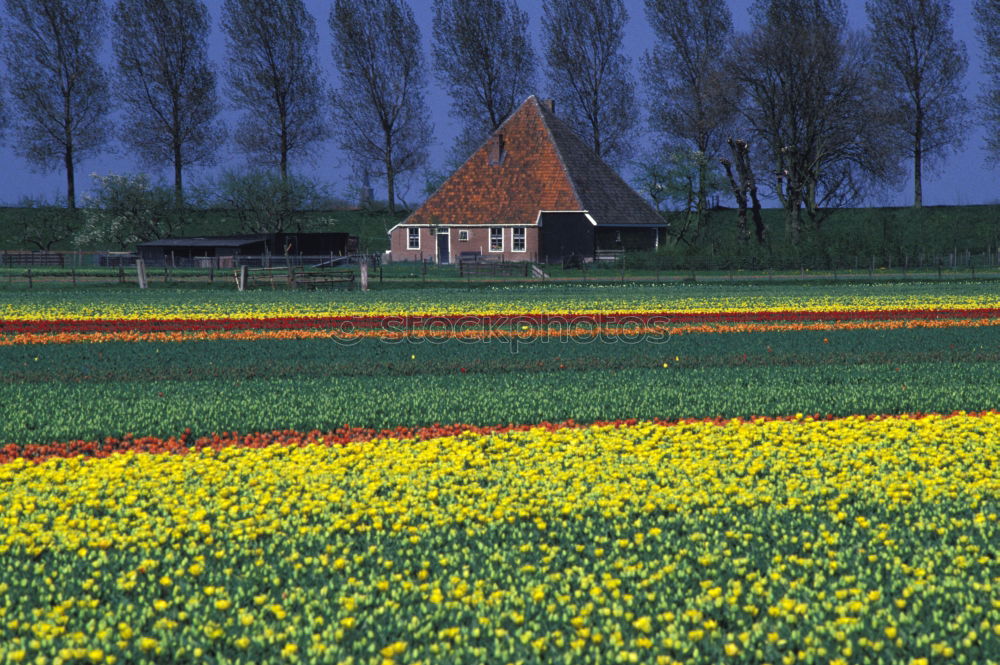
555,144
605,166
471,155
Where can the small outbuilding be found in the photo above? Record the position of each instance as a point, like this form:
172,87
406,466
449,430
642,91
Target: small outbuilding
533,192
222,251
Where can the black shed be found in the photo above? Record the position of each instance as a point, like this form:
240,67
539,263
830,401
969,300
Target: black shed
223,251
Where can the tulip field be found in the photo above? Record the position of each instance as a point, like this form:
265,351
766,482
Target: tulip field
541,474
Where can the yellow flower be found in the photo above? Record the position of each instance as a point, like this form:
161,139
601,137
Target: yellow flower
645,624
393,649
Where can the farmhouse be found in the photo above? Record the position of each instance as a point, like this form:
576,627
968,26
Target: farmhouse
533,192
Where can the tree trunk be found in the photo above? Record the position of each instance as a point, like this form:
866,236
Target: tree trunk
741,200
283,158
70,176
703,195
758,220
390,177
918,153
390,173
178,177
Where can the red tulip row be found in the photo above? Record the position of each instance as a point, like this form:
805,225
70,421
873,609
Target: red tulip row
186,442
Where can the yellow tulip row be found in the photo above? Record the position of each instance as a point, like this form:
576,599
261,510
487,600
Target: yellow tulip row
829,541
483,304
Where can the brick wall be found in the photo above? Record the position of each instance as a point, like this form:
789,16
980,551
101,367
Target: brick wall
478,240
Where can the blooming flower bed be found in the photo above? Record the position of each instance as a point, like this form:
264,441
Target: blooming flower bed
255,479
845,540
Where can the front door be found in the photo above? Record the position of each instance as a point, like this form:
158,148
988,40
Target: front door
444,247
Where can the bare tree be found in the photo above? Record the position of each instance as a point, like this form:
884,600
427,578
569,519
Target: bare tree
744,186
809,102
687,86
272,76
987,14
380,113
264,202
483,56
166,83
589,75
42,224
3,113
920,65
59,89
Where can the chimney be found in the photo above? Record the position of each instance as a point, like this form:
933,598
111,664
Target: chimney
496,150
549,105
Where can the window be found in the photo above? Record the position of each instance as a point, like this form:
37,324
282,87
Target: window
412,238
463,236
517,240
496,238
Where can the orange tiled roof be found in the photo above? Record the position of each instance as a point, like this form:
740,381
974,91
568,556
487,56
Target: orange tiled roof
545,167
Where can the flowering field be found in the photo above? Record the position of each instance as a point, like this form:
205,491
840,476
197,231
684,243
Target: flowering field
277,478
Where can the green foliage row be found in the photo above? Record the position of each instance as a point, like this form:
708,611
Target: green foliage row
90,411
848,238
332,359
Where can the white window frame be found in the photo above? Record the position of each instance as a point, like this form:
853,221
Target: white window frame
514,239
410,236
492,229
463,235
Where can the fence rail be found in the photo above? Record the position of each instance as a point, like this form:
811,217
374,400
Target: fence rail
629,267
56,259
482,268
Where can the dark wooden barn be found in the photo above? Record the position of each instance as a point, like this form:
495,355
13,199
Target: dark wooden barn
223,251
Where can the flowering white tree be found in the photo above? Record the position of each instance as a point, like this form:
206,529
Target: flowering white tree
127,209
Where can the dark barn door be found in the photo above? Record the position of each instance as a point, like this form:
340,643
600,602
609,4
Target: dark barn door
444,247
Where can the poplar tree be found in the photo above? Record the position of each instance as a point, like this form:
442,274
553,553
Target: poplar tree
273,78
59,89
166,84
920,65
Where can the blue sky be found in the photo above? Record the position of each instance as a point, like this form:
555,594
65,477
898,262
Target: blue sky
963,178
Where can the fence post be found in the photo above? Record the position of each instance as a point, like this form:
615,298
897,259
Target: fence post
140,272
241,281
211,273
364,275
121,274
29,278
